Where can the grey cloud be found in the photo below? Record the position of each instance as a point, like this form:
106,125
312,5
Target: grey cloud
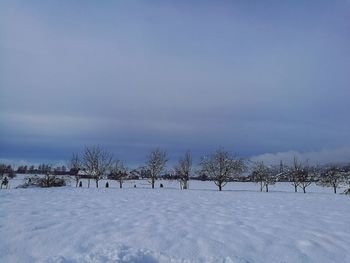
132,77
325,156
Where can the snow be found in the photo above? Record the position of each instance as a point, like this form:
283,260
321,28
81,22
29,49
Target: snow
240,224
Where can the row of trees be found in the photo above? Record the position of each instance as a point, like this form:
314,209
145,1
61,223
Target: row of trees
95,162
42,169
48,180
220,167
300,175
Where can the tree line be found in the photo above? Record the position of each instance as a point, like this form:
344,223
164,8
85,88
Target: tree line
220,167
42,169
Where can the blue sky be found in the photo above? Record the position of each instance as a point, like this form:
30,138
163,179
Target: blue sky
259,78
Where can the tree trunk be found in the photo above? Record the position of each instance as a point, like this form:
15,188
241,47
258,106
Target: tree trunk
153,183
88,183
120,184
96,183
267,188
220,187
295,188
335,189
185,185
304,189
76,184
261,186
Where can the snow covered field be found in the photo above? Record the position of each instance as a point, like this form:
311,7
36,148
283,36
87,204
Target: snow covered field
169,225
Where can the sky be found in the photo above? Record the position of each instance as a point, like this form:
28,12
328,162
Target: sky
262,79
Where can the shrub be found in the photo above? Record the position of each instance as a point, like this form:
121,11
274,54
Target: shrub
47,181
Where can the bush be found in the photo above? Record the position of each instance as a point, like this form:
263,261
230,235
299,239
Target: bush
44,182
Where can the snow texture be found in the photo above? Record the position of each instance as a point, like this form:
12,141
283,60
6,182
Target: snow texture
70,224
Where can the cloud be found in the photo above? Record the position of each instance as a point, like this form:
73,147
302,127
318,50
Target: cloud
340,155
176,75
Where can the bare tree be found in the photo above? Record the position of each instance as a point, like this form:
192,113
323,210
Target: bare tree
305,177
75,166
221,167
333,177
4,180
258,173
183,169
119,172
156,162
346,179
3,169
293,173
96,162
264,175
